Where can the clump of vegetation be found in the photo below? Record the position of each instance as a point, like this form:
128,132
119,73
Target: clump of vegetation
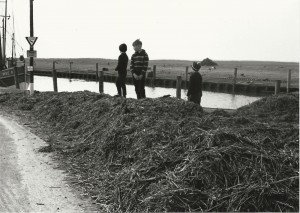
273,104
168,155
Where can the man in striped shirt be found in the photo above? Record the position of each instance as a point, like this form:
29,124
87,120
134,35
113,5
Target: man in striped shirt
138,67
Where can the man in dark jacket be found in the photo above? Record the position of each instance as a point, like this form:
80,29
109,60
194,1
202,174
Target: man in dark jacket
122,70
138,67
195,85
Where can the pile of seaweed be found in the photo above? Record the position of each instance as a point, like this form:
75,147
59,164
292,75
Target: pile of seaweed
167,154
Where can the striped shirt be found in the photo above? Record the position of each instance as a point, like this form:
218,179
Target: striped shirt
139,62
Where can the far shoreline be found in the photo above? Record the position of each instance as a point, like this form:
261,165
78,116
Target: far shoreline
168,60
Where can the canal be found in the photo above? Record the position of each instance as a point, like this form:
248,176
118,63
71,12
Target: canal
209,99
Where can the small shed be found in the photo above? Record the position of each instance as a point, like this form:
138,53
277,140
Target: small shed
208,62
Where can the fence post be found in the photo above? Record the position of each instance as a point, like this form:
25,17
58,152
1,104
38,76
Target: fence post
277,87
70,69
234,79
54,77
178,87
186,76
154,75
97,72
16,78
101,81
288,83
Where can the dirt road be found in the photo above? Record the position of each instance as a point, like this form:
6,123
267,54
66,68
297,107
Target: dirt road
29,181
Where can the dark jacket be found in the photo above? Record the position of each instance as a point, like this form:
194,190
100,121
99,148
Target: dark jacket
122,64
139,62
195,84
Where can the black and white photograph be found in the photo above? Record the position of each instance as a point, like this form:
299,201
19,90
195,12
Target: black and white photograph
149,106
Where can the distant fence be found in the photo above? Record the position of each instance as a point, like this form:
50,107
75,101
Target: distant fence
230,87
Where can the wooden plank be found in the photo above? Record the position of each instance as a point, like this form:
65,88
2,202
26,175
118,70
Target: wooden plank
178,87
16,77
277,87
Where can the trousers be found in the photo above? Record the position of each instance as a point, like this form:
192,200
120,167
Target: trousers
196,98
121,86
140,87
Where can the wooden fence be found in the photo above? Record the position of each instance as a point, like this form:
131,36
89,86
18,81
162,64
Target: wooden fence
177,83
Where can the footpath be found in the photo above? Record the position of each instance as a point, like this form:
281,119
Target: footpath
29,180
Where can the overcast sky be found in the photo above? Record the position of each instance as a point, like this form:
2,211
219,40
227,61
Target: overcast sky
169,29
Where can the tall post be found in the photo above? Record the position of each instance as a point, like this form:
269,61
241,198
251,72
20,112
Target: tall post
97,72
31,49
234,79
70,69
16,77
154,75
1,59
288,83
178,87
4,34
54,75
277,87
186,76
101,81
3,43
13,51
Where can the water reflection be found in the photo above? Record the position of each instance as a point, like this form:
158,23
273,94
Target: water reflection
209,99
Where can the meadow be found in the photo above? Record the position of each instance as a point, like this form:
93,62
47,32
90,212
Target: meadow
249,72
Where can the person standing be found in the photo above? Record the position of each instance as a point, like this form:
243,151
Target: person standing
122,70
138,67
195,84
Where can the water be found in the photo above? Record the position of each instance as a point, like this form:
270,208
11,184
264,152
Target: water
209,99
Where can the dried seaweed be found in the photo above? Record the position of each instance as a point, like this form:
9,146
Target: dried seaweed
168,155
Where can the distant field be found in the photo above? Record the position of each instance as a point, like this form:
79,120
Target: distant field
264,72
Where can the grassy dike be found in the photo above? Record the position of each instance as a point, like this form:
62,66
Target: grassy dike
168,155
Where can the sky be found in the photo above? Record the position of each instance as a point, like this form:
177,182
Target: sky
263,30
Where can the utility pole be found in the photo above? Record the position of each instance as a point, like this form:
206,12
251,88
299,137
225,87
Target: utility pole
4,35
1,62
13,50
3,45
3,40
31,49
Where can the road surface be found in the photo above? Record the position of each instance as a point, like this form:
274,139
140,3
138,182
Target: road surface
29,181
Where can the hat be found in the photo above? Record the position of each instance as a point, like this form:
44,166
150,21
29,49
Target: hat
123,48
196,66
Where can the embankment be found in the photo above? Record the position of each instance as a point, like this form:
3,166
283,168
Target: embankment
167,154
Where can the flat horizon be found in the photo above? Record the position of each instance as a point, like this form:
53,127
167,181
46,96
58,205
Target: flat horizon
297,62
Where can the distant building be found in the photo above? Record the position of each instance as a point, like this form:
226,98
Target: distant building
208,62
